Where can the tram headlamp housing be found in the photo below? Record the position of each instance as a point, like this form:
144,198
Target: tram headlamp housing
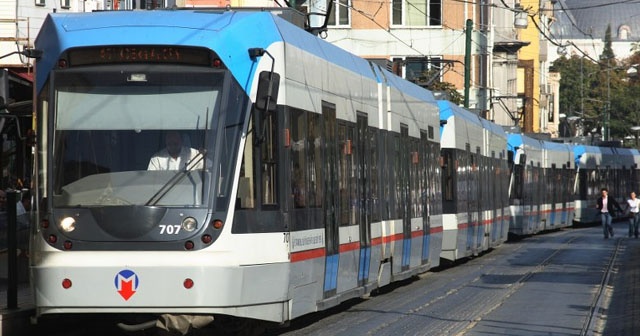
189,224
68,224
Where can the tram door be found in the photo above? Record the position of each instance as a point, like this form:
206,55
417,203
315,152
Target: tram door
553,193
330,201
476,210
364,216
426,186
404,201
539,194
469,205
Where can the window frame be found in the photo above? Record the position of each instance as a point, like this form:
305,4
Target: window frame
430,5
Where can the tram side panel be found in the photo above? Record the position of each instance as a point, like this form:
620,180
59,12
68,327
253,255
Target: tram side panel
493,182
461,144
390,250
525,190
331,174
557,160
411,119
588,160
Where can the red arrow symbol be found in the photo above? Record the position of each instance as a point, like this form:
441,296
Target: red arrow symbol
126,290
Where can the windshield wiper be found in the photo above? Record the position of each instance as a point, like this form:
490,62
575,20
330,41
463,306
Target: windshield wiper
177,177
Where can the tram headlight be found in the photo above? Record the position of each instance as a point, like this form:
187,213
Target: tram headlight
68,224
189,224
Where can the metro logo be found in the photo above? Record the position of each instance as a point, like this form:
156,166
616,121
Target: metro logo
126,282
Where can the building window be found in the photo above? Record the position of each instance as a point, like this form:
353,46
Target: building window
551,108
63,3
339,15
423,70
40,3
416,12
624,32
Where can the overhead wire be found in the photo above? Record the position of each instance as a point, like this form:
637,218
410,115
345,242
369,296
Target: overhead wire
547,35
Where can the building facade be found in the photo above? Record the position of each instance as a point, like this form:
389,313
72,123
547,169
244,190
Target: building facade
474,45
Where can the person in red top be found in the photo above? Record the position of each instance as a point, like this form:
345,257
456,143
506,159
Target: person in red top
607,206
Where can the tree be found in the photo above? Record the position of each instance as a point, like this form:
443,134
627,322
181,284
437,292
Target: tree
577,88
607,51
448,90
430,80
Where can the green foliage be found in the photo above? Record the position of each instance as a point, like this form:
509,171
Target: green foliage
607,51
578,83
589,90
449,90
430,80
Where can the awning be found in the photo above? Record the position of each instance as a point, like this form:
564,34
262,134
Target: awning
21,75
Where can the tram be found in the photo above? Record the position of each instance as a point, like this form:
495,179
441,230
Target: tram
308,176
226,164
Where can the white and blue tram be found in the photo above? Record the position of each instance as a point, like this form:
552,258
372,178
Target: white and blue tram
541,186
474,183
316,176
312,175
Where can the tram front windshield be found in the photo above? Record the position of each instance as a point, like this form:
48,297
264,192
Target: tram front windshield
136,137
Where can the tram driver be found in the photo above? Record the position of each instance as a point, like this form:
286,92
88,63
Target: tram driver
176,156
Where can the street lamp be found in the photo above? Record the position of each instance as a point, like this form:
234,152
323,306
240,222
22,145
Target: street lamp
521,20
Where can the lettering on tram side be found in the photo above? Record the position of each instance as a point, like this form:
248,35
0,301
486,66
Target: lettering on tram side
307,240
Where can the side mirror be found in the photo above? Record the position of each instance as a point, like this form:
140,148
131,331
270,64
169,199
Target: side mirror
267,95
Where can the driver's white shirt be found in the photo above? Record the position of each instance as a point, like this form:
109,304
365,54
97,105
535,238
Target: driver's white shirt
163,161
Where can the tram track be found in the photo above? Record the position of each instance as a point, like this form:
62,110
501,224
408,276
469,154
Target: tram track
601,295
518,284
502,290
454,329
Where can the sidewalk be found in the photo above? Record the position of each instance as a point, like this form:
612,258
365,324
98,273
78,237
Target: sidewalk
15,322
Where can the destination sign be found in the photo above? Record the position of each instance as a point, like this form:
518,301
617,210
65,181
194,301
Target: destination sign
139,54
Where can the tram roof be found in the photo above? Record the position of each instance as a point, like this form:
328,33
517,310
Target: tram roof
228,33
449,109
520,140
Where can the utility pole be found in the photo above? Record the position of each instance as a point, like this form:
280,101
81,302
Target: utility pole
467,62
608,105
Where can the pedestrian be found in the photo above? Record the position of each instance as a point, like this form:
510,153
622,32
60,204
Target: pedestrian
633,206
607,206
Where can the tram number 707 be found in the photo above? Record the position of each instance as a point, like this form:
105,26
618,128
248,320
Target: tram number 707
169,229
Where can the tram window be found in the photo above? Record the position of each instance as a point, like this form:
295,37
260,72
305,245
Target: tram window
374,176
298,158
434,187
518,182
343,175
415,183
245,196
424,173
393,169
42,119
315,161
269,159
449,171
351,152
386,168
